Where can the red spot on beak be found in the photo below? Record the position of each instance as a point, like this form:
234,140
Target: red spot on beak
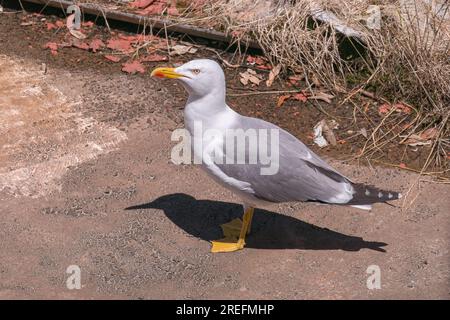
159,74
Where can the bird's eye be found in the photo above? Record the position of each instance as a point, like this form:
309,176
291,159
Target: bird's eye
195,71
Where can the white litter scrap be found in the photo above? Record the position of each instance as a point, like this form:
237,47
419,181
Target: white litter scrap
323,134
325,16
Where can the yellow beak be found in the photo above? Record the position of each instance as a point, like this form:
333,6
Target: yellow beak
166,73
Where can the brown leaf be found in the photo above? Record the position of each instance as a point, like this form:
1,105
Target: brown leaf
398,107
300,97
87,24
120,45
141,3
282,99
53,46
430,133
423,138
96,44
139,38
264,67
80,45
384,108
133,67
156,8
112,58
255,60
273,74
51,26
173,11
295,79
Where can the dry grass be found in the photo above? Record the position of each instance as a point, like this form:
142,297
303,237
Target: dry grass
406,58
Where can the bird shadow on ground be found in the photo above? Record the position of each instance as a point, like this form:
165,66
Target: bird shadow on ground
270,230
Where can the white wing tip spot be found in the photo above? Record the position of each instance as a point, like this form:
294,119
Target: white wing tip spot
380,195
400,195
390,195
367,193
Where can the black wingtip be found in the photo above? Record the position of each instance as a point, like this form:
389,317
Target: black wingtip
365,194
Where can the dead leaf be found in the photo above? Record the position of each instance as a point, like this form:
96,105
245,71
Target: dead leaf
139,38
384,108
423,138
255,60
120,45
53,46
141,3
300,97
180,49
430,133
133,67
273,74
87,24
173,11
264,67
249,76
363,132
112,58
51,26
294,80
153,9
282,99
96,44
80,45
398,107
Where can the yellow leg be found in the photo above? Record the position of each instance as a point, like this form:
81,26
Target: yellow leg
249,228
234,238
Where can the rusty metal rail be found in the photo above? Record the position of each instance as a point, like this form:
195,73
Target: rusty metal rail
141,21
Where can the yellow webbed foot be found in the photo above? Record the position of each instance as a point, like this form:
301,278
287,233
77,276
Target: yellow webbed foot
234,232
225,245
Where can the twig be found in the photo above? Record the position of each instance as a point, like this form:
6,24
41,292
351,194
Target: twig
262,92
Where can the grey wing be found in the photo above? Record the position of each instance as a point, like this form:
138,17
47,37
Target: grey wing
301,175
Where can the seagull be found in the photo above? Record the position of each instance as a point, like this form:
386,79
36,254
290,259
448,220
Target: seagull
300,174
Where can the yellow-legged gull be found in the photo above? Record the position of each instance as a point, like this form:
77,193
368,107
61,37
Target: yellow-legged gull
300,174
